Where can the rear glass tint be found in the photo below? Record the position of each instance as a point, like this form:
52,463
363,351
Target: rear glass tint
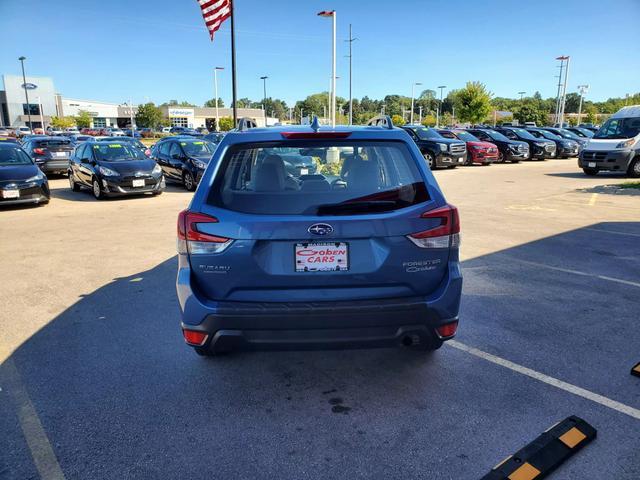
318,178
53,143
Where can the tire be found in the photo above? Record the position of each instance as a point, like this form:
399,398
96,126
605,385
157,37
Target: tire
155,194
72,184
188,182
96,189
592,172
515,161
500,157
430,160
634,168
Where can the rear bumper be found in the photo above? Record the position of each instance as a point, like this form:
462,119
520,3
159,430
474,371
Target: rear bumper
53,166
340,324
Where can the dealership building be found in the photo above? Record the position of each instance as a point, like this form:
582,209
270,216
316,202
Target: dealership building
45,103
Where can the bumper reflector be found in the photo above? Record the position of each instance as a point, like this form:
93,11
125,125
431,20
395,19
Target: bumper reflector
636,370
447,330
195,338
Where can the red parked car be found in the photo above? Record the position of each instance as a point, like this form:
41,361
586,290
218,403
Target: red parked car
90,131
478,152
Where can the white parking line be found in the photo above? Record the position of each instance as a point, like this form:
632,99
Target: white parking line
41,450
554,382
577,272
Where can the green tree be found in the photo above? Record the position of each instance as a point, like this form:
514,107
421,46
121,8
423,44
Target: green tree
175,103
226,124
473,102
429,121
531,110
591,114
83,119
212,103
398,120
148,115
62,122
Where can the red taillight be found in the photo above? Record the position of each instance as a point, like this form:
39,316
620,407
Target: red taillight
444,235
314,135
38,151
447,330
195,338
147,152
195,240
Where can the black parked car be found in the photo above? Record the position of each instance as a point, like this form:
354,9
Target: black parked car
510,150
51,154
21,181
567,134
565,148
113,168
582,132
539,149
183,159
437,150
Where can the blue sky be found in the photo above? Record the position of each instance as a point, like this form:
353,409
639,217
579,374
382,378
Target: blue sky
159,49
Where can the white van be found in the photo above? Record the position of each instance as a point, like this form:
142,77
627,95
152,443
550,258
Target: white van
615,146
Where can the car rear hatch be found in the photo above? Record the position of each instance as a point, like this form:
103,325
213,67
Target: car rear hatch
57,149
363,227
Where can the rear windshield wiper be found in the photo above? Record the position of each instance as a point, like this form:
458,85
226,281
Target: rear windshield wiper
346,208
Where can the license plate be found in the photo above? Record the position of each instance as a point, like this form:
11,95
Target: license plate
304,171
460,160
10,193
138,183
592,164
59,154
321,257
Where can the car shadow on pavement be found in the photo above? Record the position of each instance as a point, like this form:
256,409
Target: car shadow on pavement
119,395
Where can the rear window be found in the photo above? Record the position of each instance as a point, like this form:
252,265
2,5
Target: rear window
116,152
53,143
302,178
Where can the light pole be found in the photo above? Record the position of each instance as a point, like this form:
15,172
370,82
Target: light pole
583,89
564,91
521,95
420,117
413,94
215,83
41,114
351,40
332,109
264,102
26,92
441,87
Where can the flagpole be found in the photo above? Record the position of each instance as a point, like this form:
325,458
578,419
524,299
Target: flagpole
233,65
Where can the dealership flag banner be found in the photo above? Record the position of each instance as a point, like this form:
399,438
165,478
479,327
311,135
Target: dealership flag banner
214,13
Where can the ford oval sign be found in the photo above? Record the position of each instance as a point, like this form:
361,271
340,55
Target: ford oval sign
29,86
320,229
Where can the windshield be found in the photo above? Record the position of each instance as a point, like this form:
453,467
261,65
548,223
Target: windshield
619,128
569,134
447,134
319,178
116,152
549,135
522,133
197,149
10,155
586,133
497,136
466,136
53,143
427,133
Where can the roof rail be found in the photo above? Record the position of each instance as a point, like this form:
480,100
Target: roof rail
246,123
381,121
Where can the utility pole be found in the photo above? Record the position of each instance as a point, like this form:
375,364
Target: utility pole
215,81
264,102
413,94
26,92
583,89
442,87
521,95
420,117
564,91
562,58
351,40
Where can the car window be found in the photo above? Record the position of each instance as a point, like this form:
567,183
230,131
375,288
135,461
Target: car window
115,152
175,150
163,149
319,179
199,148
510,134
13,156
466,136
446,134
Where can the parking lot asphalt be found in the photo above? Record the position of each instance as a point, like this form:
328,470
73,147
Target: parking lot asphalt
96,381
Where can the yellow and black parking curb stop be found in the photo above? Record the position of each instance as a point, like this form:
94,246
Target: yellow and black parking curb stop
539,458
635,371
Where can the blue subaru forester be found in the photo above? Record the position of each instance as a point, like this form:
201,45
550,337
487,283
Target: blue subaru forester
359,251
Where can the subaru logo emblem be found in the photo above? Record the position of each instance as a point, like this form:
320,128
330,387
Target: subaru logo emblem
320,229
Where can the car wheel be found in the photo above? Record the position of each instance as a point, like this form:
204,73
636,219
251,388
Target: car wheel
96,189
500,158
188,181
634,169
515,161
430,160
72,183
590,171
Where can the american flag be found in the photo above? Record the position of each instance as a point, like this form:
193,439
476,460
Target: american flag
214,13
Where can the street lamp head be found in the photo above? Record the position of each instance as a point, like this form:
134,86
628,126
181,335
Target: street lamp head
263,78
327,13
442,86
417,83
22,59
218,68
